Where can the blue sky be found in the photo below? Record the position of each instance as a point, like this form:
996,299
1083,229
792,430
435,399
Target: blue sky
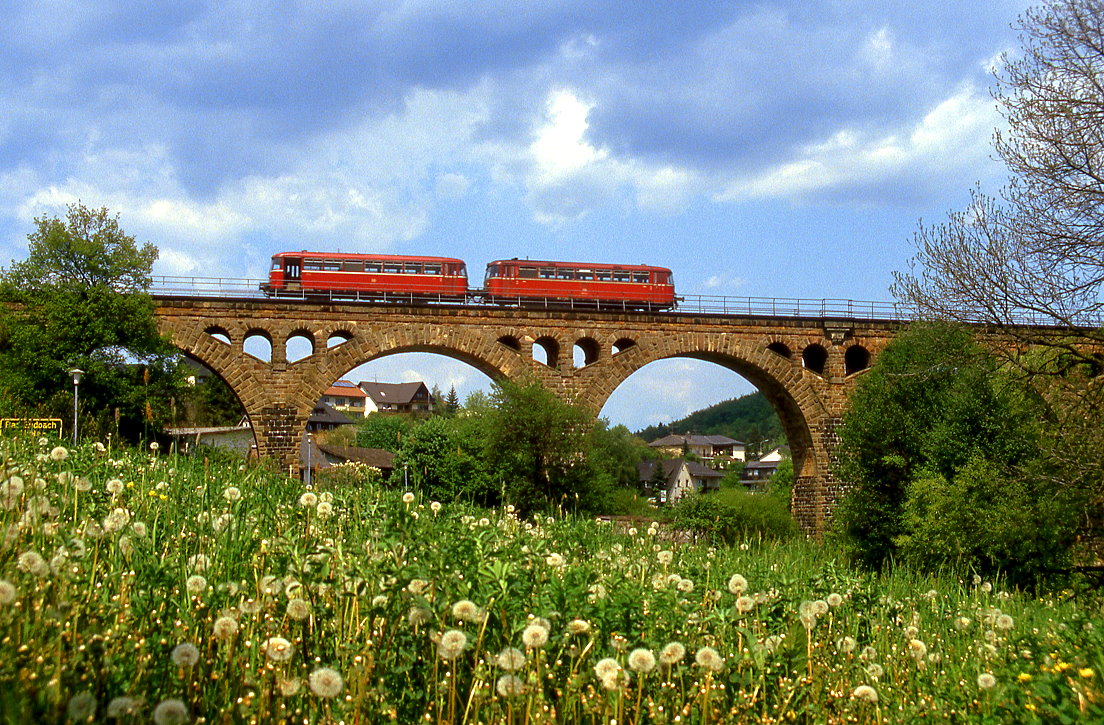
774,149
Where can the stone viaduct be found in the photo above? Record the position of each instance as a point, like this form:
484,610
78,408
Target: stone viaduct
805,366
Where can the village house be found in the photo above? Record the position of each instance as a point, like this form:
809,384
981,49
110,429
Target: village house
679,477
709,448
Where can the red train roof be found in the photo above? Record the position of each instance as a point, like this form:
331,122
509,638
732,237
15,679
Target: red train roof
579,265
371,257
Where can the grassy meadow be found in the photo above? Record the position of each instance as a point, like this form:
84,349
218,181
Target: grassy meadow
139,586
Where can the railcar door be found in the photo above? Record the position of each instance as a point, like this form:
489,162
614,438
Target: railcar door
293,267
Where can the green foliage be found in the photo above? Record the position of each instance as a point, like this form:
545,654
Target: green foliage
214,403
78,301
444,460
749,418
935,426
385,430
732,515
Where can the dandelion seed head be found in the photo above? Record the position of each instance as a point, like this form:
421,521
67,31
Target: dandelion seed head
326,682
986,681
606,667
874,670
509,686
408,498
1004,622
114,486
185,655
33,563
917,649
278,649
59,453
685,585
225,627
8,592
535,635
578,626
665,557
81,707
510,659
452,644
298,609
672,653
642,660
170,712
834,600
709,659
866,693
196,584
123,706
308,500
468,611
232,493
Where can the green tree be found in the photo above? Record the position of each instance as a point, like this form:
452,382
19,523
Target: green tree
79,301
1032,252
452,402
541,447
444,457
934,408
385,430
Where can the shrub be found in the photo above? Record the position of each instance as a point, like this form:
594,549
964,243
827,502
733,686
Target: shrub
732,515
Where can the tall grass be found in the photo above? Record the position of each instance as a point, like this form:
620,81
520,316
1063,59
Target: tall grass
137,584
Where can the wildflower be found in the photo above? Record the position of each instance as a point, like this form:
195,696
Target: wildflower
555,560
418,615
33,563
452,644
59,453
1004,622
232,494
435,506
114,486
8,592
99,447
987,587
298,608
672,653
986,681
509,686
665,557
325,510
154,446
578,626
834,600
196,584
1024,677
467,611
1086,673
120,707
199,562
535,635
225,627
744,604
874,670
326,682
685,586
510,659
866,693
606,668
170,712
709,659
185,655
846,644
278,649
308,500
270,585
917,649
408,498
642,660
962,623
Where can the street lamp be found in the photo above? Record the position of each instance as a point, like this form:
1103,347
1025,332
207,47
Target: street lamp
309,462
76,373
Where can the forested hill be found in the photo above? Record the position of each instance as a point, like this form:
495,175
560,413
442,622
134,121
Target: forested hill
750,419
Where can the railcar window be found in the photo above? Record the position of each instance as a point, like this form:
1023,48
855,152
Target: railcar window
371,266
547,273
312,264
456,269
352,266
603,276
565,274
331,265
527,272
584,274
640,277
412,268
433,269
276,264
392,267
621,277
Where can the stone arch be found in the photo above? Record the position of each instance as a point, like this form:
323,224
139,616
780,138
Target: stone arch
814,358
856,358
590,349
300,333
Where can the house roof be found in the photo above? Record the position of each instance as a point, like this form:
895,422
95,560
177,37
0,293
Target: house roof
699,440
345,389
324,413
761,464
393,393
378,457
672,466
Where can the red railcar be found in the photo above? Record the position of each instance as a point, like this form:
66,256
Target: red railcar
366,276
527,282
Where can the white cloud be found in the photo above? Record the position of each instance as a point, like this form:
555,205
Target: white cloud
953,135
452,186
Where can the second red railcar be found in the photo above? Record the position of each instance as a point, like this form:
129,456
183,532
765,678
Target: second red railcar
528,282
366,276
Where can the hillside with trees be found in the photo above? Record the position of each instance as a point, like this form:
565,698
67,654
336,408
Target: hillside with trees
749,418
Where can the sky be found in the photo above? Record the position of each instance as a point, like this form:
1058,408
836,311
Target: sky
784,148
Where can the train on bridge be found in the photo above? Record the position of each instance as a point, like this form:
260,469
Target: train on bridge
521,282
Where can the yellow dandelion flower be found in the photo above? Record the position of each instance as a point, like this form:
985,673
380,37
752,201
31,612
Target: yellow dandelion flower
1086,673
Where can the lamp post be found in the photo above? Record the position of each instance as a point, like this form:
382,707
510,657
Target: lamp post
76,373
309,462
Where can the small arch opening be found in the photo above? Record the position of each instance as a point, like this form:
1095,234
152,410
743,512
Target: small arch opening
547,351
299,345
585,352
338,337
856,359
622,345
511,342
218,333
814,358
258,343
780,348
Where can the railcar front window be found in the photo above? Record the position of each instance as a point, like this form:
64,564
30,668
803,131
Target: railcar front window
277,263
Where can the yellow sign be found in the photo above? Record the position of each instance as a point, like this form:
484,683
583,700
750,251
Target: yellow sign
31,425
